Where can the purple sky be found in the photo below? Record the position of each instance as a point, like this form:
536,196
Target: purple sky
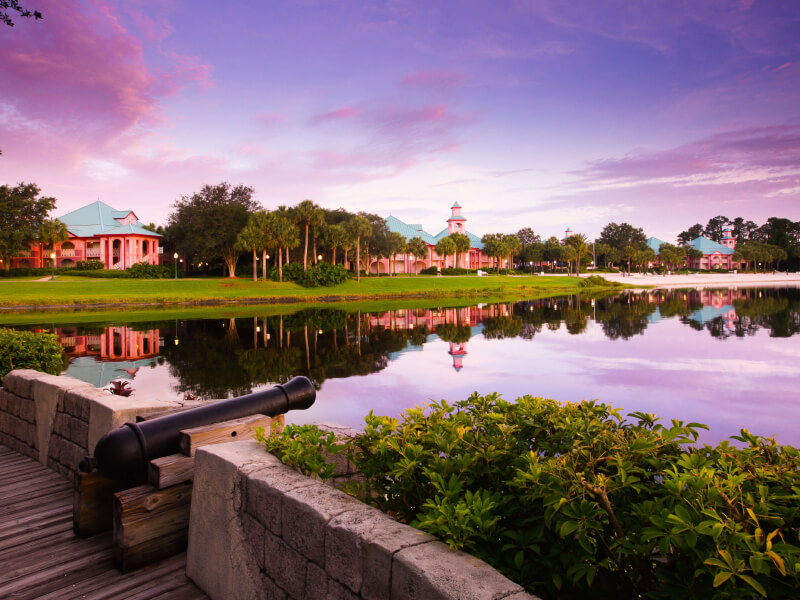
537,113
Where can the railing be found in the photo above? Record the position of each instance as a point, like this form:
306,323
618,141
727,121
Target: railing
161,249
70,252
93,253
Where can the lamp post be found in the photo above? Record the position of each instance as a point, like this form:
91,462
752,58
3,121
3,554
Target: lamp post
175,257
531,263
53,263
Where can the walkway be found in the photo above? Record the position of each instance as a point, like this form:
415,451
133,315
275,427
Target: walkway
41,558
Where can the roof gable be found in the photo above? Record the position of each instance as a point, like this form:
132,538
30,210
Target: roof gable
707,246
98,218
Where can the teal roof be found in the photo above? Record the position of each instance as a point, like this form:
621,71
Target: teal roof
654,243
99,218
707,246
456,205
415,230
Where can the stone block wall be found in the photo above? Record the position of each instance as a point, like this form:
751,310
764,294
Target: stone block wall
58,420
259,529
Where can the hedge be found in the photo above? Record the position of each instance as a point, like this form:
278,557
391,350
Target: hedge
28,350
573,501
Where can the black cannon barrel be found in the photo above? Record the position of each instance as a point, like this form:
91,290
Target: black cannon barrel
124,452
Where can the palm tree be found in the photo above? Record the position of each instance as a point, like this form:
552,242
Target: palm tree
252,238
50,233
396,244
281,233
418,249
578,242
359,227
445,247
305,213
462,244
334,236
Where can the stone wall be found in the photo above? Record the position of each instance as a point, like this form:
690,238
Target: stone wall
259,529
58,420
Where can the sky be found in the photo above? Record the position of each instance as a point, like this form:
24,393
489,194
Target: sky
538,113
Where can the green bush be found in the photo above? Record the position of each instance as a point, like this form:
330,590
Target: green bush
146,271
89,265
429,271
28,350
456,271
572,501
598,281
323,274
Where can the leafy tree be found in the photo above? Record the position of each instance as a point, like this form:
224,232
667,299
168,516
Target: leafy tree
621,235
578,243
569,254
511,245
670,255
445,247
552,250
396,243
462,244
22,212
713,230
492,246
644,257
417,248
694,232
359,227
743,230
629,254
527,237
6,6
692,256
205,225
51,232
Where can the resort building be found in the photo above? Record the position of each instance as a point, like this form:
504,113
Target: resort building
97,232
715,255
408,263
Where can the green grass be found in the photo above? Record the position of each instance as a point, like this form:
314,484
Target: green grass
79,292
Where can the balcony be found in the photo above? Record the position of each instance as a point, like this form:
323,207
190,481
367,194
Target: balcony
161,250
93,253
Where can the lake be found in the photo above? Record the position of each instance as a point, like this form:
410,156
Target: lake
729,358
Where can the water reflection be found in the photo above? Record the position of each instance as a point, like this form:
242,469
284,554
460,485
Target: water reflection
639,350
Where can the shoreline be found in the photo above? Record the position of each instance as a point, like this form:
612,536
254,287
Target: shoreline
705,280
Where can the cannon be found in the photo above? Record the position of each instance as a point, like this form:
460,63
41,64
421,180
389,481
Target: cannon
123,453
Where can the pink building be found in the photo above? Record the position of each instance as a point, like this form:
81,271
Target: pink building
97,232
408,263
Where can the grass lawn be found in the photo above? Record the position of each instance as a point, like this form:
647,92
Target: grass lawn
82,292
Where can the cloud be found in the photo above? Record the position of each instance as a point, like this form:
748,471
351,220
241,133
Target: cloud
338,114
86,80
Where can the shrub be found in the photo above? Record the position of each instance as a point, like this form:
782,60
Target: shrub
598,281
323,274
456,271
89,265
572,501
429,271
147,271
28,350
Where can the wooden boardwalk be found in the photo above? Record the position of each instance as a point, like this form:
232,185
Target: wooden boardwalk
41,558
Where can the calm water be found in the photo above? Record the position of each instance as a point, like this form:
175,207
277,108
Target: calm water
727,358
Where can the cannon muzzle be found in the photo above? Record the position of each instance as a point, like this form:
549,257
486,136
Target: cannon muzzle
124,452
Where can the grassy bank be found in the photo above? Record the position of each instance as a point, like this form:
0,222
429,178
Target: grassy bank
76,292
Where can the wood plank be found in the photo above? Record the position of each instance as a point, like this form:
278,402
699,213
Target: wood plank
170,470
93,504
218,433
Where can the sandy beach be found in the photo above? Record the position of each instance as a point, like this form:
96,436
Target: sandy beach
702,280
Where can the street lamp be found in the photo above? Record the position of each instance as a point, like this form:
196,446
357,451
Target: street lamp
531,263
53,262
175,257
319,257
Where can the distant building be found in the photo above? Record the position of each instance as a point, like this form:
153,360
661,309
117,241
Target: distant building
408,263
715,255
97,232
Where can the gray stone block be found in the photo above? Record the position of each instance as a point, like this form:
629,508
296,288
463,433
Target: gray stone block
18,382
65,452
316,583
268,590
336,591
77,405
3,400
13,405
435,572
27,410
359,546
284,566
254,538
72,429
265,489
306,512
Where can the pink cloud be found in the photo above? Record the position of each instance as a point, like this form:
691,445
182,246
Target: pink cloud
86,78
345,112
269,118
